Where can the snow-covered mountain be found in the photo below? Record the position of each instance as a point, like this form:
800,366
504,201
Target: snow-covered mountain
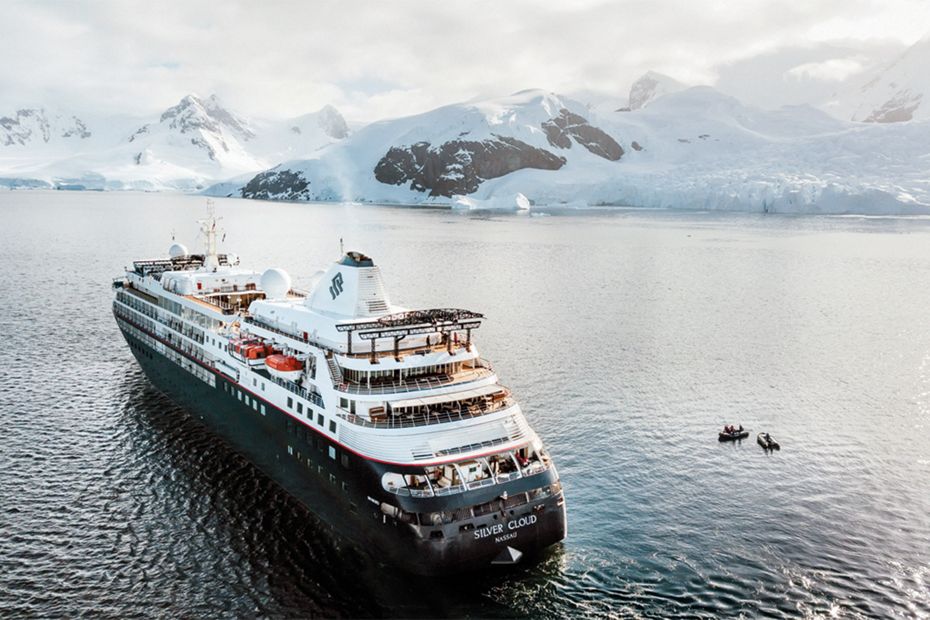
190,145
453,150
37,127
695,148
898,92
650,87
197,134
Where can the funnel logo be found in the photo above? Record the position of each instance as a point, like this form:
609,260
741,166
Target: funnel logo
336,286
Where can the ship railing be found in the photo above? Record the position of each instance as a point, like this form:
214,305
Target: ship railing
259,323
172,338
419,350
441,491
509,476
304,393
424,419
484,482
416,384
449,490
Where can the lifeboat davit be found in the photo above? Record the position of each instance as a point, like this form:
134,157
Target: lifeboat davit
284,366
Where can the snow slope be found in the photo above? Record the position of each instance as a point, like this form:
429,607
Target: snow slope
189,146
693,149
449,151
899,91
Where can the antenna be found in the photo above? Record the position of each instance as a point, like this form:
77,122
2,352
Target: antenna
209,229
341,251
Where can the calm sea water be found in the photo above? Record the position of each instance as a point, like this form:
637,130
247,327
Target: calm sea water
629,337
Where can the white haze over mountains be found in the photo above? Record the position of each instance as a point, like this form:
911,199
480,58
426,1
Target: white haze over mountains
797,108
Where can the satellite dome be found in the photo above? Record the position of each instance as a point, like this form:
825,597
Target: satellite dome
276,283
177,250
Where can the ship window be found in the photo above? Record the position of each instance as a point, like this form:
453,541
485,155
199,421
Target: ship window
344,403
345,487
239,394
254,404
300,408
290,402
332,479
290,450
263,386
319,419
332,426
263,409
332,453
254,382
345,460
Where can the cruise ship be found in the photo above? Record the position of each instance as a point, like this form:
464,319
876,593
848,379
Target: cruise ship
384,422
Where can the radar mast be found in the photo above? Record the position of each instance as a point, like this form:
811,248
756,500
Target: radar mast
208,227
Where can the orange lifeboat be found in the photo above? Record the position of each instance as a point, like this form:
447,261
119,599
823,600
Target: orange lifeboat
284,366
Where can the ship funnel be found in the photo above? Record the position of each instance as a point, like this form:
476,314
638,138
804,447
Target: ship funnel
351,287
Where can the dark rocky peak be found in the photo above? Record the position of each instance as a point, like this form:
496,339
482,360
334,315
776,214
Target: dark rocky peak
277,184
458,167
568,126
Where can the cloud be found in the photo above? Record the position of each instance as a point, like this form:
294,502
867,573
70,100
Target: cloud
373,60
832,70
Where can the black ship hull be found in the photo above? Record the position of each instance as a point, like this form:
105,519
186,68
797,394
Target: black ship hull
431,536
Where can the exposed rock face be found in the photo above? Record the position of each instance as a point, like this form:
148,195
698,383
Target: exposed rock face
205,122
277,185
898,109
651,86
459,167
31,125
332,123
567,126
897,93
193,113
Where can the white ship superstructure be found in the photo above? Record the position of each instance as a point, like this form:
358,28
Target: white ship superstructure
384,419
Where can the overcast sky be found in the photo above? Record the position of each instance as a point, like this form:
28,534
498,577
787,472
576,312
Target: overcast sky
377,59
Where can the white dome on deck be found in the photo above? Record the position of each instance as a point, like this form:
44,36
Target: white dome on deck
177,250
276,283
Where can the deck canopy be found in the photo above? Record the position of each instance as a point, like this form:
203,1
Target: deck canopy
188,262
414,322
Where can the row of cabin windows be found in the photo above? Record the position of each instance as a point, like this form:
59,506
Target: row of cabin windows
308,439
245,398
320,420
304,434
